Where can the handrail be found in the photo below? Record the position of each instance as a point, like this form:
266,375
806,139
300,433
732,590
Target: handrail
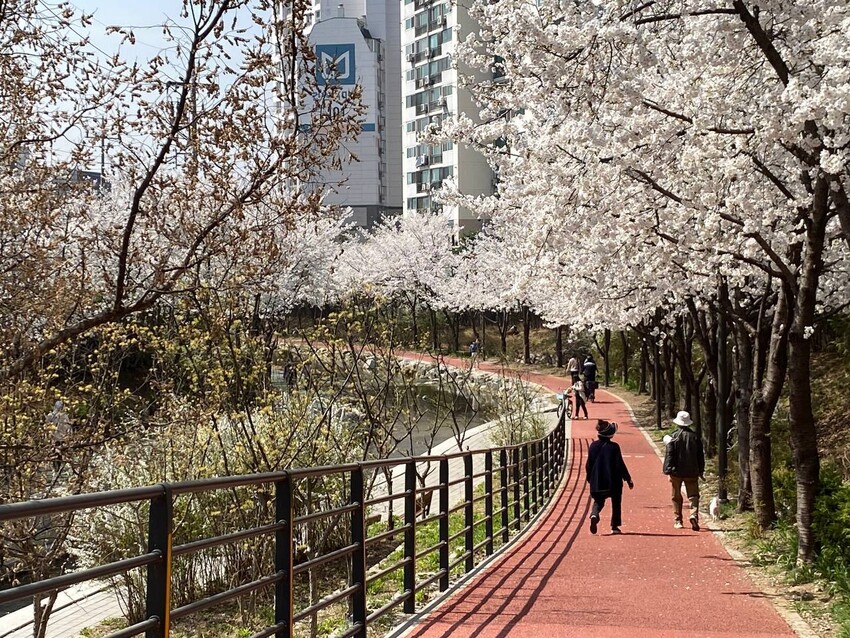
519,480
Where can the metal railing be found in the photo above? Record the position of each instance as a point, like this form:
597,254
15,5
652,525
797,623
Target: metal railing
518,482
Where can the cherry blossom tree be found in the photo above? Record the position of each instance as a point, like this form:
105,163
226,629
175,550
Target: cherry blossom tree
669,150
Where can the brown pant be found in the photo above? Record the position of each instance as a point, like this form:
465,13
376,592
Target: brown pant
692,489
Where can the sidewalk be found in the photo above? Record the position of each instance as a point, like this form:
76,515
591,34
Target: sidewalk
76,608
653,581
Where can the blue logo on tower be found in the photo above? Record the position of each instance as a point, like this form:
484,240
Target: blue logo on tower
335,63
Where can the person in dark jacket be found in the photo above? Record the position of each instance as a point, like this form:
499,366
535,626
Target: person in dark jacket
684,463
589,370
606,470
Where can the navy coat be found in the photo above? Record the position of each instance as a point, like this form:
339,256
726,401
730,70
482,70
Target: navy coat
606,470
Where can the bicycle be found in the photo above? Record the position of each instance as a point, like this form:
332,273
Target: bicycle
565,404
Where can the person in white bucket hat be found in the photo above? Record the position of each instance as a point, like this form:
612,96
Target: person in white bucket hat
684,463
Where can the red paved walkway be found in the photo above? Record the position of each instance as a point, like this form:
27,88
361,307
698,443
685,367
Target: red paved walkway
652,581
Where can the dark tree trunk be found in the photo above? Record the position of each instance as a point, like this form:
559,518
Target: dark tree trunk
669,378
644,364
526,332
624,369
483,336
709,402
559,346
503,331
744,392
606,351
705,332
435,338
801,416
770,364
724,390
656,382
414,322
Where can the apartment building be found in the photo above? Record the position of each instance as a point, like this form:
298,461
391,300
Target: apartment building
362,40
431,93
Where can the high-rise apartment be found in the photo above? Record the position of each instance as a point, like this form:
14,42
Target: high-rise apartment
361,40
430,92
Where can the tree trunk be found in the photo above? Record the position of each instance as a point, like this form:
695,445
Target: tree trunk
744,376
709,402
624,370
414,323
669,379
435,338
770,363
656,381
526,339
801,416
606,343
559,347
724,389
644,359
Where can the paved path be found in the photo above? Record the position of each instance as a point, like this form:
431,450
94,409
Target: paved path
652,581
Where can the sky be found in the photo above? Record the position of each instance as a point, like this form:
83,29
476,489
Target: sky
136,13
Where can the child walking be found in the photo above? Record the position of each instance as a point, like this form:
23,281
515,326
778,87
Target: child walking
606,471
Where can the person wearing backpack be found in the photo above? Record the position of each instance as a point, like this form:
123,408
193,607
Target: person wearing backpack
606,472
684,463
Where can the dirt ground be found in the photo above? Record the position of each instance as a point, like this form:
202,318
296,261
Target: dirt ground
810,600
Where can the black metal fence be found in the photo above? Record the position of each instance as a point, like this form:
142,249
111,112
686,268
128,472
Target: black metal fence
518,481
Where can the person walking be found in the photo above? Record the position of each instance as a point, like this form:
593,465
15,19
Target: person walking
578,392
589,370
474,349
606,471
572,368
684,463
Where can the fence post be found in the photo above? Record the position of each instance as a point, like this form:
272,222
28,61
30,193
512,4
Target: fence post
469,514
525,484
410,536
503,492
358,559
517,521
488,501
532,469
541,473
444,523
158,595
283,557
547,465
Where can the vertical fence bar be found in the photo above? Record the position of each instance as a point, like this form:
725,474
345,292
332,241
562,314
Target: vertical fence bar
532,470
158,595
526,484
547,464
469,513
541,473
517,521
444,523
503,493
410,536
283,556
358,558
488,501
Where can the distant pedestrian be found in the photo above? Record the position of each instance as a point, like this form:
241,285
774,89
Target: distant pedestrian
578,392
606,471
572,368
684,463
474,349
589,370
